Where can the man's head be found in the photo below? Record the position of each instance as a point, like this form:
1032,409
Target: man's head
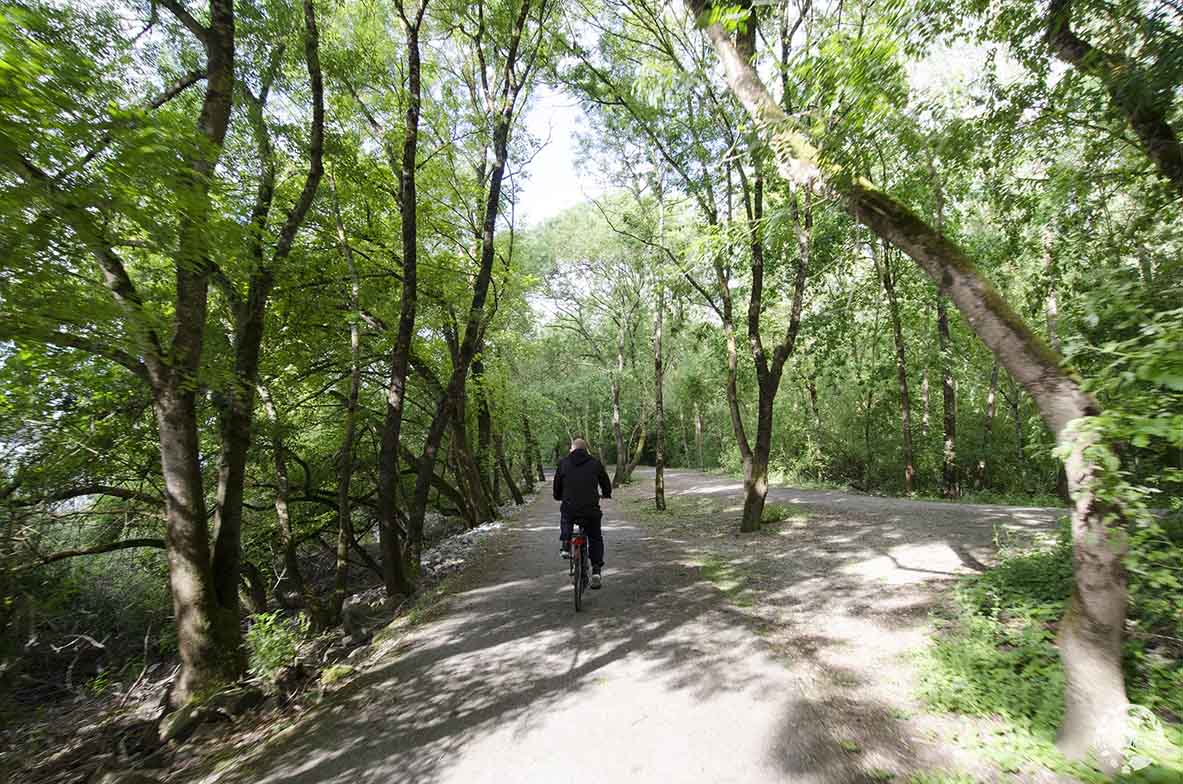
578,443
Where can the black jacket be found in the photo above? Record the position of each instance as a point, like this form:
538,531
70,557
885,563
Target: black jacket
576,482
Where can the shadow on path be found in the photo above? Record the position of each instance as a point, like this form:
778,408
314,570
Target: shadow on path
664,677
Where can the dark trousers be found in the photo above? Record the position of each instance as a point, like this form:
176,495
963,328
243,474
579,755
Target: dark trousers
591,523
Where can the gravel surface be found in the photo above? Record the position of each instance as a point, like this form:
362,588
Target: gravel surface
707,657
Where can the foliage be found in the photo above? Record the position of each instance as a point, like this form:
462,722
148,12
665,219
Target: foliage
996,655
272,640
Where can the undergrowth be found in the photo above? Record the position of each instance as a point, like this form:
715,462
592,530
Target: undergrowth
995,656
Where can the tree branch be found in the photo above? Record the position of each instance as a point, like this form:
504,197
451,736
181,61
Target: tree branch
200,31
125,544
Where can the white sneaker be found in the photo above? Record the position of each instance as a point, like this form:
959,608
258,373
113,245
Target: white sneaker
595,581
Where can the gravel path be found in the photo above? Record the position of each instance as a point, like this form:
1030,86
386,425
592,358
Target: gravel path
708,657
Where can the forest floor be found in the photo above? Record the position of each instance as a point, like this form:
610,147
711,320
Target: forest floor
707,657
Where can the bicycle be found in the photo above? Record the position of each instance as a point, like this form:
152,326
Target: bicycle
580,565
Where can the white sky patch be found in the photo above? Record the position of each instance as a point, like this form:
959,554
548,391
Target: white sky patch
555,180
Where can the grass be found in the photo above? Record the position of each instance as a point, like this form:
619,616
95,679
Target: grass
998,498
994,656
775,513
941,777
681,511
729,578
335,674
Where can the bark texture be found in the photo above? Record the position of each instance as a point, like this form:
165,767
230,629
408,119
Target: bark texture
389,531
901,366
1091,632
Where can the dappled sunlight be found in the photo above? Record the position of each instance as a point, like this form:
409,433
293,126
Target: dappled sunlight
782,646
713,489
909,563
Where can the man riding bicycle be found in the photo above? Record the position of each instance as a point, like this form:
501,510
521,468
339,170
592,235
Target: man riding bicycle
578,482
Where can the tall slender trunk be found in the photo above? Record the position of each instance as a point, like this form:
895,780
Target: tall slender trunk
389,532
658,369
1016,413
618,476
950,482
811,387
208,635
473,483
484,425
659,423
698,436
924,395
638,450
769,370
511,85
950,485
535,452
345,466
499,447
901,367
988,430
1091,632
250,316
287,539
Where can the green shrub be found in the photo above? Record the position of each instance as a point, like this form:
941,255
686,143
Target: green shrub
272,639
997,656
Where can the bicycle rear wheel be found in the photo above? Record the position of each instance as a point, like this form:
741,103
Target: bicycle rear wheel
577,559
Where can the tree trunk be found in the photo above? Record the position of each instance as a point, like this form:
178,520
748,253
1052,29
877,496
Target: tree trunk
638,450
755,474
475,323
345,466
253,594
536,457
1091,632
1130,91
389,535
250,316
484,425
698,437
292,580
901,367
991,406
208,637
950,485
473,483
924,394
811,387
1016,412
527,472
209,640
618,475
659,423
499,447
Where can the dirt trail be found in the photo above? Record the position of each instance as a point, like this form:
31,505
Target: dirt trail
706,658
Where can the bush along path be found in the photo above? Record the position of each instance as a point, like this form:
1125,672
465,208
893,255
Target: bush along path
796,654
125,736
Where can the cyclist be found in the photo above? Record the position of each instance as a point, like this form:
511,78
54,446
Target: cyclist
578,482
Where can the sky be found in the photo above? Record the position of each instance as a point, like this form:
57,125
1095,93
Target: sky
555,181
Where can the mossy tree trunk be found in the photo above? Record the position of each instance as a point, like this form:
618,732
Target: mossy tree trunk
1091,631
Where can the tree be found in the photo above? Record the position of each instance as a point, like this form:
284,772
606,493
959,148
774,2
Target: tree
1091,631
